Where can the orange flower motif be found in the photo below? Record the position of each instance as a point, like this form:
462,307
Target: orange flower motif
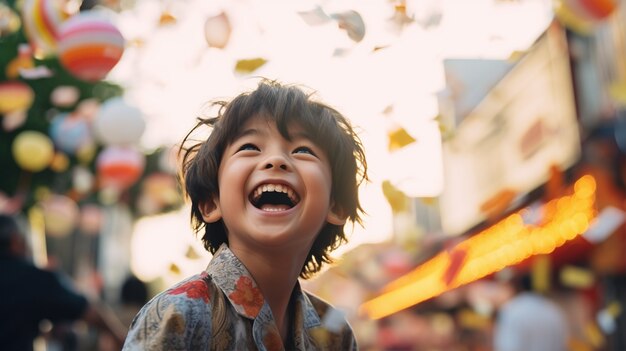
195,289
247,295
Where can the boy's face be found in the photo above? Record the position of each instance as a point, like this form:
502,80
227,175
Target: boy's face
274,193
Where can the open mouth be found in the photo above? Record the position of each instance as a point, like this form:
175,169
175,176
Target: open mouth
274,197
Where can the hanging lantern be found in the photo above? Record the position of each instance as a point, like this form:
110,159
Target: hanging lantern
33,151
217,30
15,96
70,132
118,123
119,167
89,46
42,19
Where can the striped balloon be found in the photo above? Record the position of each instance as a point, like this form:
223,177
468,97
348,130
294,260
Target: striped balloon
42,21
89,46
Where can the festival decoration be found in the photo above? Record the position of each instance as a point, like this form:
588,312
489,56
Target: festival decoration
89,46
15,96
118,123
217,30
70,132
42,20
119,167
33,151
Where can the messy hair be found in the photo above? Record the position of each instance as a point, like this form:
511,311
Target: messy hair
285,105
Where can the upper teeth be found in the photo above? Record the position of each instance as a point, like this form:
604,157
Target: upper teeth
280,188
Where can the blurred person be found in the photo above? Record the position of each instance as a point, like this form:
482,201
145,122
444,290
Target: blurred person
272,187
30,295
530,321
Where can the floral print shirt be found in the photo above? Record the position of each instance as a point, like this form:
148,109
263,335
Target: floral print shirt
222,308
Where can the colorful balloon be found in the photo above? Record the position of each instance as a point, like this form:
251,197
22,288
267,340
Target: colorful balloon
89,46
118,123
15,96
70,132
119,167
42,20
32,150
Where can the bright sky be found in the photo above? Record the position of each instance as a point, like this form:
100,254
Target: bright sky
174,73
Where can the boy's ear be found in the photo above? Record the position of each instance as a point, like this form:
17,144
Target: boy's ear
336,215
210,211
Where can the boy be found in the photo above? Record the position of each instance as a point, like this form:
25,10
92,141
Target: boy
272,186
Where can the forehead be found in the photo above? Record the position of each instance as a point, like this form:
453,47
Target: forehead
260,125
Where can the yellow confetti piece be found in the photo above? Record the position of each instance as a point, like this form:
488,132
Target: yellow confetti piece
167,19
249,65
397,199
399,138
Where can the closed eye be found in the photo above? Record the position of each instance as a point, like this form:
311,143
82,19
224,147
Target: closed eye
304,150
248,147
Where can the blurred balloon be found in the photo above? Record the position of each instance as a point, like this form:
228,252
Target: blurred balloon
119,167
9,20
89,46
42,19
88,109
118,123
33,151
217,30
15,96
60,162
60,215
69,132
64,96
82,179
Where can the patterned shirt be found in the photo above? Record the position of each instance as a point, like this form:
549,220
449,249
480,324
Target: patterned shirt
222,308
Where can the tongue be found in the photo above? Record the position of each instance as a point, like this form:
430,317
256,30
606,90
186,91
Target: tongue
274,208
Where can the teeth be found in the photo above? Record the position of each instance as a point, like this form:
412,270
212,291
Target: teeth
277,188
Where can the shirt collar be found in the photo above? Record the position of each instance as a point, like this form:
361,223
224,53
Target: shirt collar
232,277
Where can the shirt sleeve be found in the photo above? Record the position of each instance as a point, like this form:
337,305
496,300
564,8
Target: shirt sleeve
171,322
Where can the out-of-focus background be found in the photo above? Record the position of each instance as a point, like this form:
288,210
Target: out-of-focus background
495,132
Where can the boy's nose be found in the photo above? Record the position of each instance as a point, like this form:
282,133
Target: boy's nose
276,162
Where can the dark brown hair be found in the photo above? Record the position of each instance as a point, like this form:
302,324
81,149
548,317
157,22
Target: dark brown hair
284,105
